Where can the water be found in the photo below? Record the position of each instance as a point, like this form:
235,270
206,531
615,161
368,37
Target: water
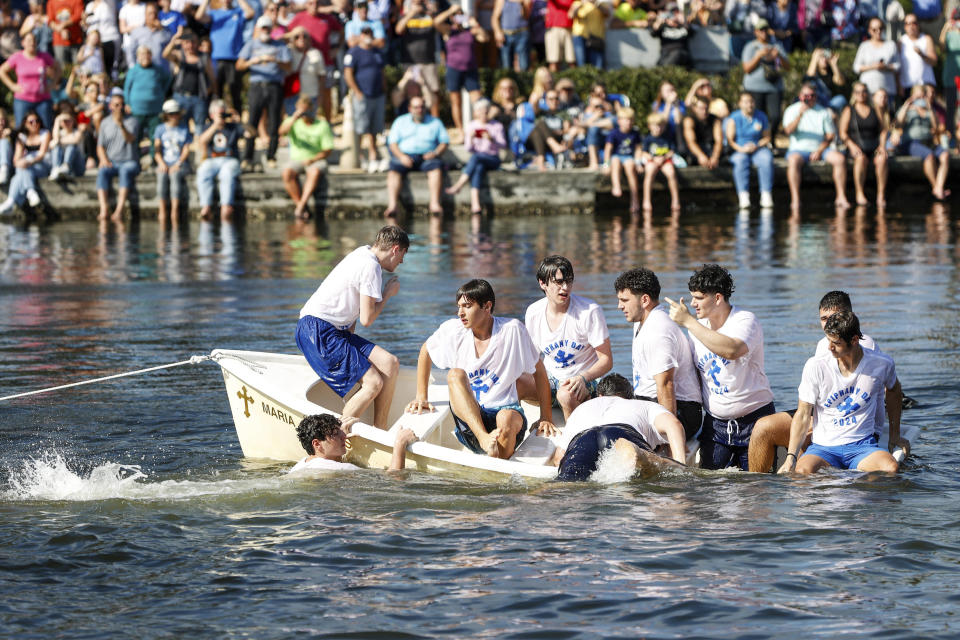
126,507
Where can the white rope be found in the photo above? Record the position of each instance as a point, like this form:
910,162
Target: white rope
192,360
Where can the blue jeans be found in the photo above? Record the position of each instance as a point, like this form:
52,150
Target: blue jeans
586,55
762,159
194,108
519,44
597,137
224,171
172,185
6,152
44,110
26,179
125,172
72,156
477,167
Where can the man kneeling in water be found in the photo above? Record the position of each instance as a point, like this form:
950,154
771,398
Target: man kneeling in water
637,428
324,438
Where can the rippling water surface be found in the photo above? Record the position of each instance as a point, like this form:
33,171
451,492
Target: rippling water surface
126,507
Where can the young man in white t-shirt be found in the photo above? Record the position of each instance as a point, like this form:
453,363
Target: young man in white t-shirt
324,438
663,369
571,333
773,431
485,355
844,389
728,351
614,419
325,331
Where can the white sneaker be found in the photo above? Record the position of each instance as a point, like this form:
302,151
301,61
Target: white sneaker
384,165
6,207
4,174
373,167
33,198
364,166
55,173
766,200
744,199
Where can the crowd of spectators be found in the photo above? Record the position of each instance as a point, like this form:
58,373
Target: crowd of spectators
103,85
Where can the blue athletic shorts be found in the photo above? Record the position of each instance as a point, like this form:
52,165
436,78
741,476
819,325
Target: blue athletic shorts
845,456
725,442
338,356
456,80
419,164
580,460
489,417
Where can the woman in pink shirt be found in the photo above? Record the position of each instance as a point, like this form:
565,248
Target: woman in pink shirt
485,139
36,73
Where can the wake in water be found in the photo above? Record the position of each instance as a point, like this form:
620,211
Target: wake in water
50,477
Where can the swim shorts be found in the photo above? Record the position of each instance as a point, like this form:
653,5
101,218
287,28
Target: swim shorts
845,456
489,417
581,458
725,442
339,357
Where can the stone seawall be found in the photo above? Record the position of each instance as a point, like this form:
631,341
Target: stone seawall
357,194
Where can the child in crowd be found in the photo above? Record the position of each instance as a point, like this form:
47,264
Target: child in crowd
624,149
172,154
658,151
90,56
67,145
6,148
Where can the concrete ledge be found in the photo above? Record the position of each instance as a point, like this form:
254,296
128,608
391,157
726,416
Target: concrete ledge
356,194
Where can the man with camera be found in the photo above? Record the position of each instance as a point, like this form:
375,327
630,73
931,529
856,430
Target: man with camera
222,164
811,130
311,141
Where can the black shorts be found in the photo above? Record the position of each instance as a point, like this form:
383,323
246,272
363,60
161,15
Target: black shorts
580,460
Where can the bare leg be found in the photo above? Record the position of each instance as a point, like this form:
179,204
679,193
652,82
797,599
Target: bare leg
527,388
509,423
122,194
630,168
939,192
794,167
175,211
652,170
161,210
465,406
810,463
879,461
768,433
882,168
594,158
455,110
567,401
859,179
839,164
292,185
671,174
370,386
394,182
616,189
369,141
389,367
309,186
104,204
206,213
226,212
459,184
475,206
435,184
930,171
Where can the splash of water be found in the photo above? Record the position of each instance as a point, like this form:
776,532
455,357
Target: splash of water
49,477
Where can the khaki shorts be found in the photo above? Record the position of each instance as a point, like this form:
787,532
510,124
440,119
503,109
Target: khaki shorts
558,39
431,81
302,167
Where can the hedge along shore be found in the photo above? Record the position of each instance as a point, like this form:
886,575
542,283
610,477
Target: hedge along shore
346,194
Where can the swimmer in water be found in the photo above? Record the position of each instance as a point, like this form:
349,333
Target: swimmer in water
324,438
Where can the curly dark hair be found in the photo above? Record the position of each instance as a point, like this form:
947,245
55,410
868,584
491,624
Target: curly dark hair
844,325
615,385
639,281
712,278
316,427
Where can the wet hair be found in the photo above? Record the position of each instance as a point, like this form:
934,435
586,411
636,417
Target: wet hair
477,291
549,267
712,278
392,236
843,325
639,281
316,427
838,300
615,385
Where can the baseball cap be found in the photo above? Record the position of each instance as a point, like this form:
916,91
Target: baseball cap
171,106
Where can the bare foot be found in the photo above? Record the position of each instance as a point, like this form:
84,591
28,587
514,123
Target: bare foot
862,201
104,214
302,213
675,207
647,207
453,190
206,213
634,208
390,213
117,215
616,192
841,203
795,205
881,203
492,446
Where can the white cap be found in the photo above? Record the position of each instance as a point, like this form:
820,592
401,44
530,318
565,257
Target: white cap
263,22
171,106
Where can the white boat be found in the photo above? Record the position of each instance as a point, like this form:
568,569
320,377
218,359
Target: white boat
270,393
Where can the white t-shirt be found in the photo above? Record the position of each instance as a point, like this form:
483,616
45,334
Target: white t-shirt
597,412
845,407
493,376
337,299
733,388
103,18
310,70
572,348
823,349
660,345
322,464
134,16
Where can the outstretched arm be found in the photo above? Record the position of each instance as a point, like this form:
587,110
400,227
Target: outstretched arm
670,428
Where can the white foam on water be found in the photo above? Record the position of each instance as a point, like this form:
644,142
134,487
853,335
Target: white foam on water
49,477
613,468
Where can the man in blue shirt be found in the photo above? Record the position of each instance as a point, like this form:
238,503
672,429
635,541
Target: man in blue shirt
226,38
151,35
416,142
268,61
354,28
170,20
363,72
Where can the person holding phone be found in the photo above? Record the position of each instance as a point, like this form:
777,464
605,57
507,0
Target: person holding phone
484,140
